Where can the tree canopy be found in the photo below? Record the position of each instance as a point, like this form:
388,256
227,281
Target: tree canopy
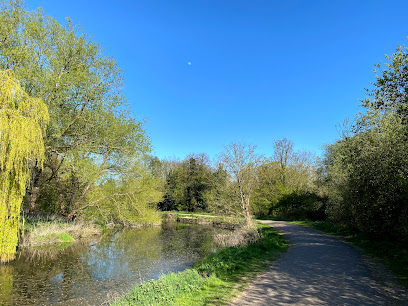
22,123
91,132
366,171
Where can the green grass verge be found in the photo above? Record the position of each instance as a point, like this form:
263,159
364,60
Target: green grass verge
64,237
393,254
164,290
213,280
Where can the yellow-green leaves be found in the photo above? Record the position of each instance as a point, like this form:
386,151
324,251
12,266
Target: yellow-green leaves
91,133
22,122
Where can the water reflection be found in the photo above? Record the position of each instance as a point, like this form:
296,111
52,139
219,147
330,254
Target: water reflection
92,272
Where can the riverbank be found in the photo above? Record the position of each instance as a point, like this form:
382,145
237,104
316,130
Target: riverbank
42,231
102,267
215,279
227,222
54,230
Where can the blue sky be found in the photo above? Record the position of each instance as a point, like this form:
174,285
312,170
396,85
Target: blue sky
205,73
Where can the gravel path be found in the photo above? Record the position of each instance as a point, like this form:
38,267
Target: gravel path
319,269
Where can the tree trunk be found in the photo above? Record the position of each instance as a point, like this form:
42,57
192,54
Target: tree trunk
248,217
61,200
245,208
35,190
72,214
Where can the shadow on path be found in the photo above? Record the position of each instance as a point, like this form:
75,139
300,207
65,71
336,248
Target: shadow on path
318,269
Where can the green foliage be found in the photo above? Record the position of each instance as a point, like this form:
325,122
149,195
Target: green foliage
300,205
390,90
130,200
91,133
368,173
22,121
222,197
269,190
64,237
213,291
187,185
365,174
243,183
164,290
287,173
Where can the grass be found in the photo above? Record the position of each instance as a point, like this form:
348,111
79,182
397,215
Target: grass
327,227
238,237
225,221
213,280
164,290
64,237
393,254
57,231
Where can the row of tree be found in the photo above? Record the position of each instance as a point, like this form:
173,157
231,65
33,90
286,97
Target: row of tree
239,180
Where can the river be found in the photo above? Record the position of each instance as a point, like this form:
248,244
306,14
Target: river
99,270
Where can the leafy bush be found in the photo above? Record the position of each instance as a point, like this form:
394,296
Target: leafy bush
300,205
369,175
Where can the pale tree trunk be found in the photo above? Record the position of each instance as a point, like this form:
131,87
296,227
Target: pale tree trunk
35,190
61,200
246,209
247,214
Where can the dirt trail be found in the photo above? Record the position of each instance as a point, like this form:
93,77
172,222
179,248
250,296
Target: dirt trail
319,269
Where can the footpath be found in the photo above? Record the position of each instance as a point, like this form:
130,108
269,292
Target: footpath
320,269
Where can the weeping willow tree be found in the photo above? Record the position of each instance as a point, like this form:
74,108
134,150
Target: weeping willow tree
22,122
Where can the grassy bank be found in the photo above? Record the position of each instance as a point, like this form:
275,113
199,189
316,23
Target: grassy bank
46,231
392,254
213,280
230,222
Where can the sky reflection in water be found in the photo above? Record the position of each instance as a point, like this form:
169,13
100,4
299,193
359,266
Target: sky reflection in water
97,271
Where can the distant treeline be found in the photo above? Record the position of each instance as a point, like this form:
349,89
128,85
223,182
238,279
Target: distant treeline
197,184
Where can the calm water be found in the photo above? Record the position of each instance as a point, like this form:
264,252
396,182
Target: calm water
97,271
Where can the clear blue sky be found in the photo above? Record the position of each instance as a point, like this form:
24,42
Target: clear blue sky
259,70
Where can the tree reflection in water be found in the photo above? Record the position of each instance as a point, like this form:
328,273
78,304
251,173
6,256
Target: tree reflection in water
90,272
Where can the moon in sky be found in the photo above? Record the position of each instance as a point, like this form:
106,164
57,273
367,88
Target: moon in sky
189,63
